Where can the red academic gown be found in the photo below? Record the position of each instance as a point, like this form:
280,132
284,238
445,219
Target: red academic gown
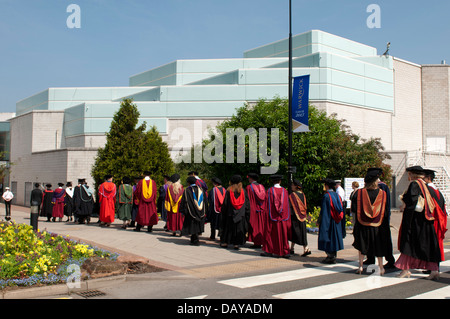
172,204
278,222
258,217
58,203
107,199
147,214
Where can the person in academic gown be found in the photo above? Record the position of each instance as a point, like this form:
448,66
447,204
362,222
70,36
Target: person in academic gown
135,208
146,193
124,201
107,192
76,200
258,216
35,204
386,221
235,214
172,201
68,201
299,215
278,225
215,202
84,202
371,234
193,206
418,243
47,206
440,218
200,182
58,202
160,203
331,223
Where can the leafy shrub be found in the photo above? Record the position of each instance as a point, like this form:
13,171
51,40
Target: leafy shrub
28,258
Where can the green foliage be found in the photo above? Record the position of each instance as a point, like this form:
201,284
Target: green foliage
328,150
25,253
130,149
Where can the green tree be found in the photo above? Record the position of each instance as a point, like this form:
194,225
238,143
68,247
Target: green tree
328,150
130,149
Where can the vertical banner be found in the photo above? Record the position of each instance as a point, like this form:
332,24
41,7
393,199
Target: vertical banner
300,104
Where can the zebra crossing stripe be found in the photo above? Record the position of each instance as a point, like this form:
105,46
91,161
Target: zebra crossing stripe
442,293
267,279
335,290
355,286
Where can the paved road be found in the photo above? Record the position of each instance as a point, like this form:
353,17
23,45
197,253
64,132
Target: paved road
208,271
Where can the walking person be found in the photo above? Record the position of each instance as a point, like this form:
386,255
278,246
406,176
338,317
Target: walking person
107,199
370,233
124,203
278,224
68,202
77,200
331,223
215,202
58,203
200,182
418,243
257,196
172,205
440,217
355,187
160,203
146,194
299,215
84,202
47,206
386,221
193,206
35,203
135,208
235,215
8,197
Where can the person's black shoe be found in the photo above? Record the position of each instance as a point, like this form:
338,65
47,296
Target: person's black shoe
264,254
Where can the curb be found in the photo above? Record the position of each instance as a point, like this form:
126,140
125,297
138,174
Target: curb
61,289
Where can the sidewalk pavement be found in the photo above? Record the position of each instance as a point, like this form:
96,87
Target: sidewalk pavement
177,254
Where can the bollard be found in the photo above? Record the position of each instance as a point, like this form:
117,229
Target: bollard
34,216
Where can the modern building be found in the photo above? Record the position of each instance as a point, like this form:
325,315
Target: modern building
56,133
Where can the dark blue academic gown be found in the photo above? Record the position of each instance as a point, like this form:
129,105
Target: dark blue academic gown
331,234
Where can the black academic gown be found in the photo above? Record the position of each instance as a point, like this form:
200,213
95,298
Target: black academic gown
371,240
299,233
194,218
234,222
69,206
212,216
84,204
386,224
47,206
417,236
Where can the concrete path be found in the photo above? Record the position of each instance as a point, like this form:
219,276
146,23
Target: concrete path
208,260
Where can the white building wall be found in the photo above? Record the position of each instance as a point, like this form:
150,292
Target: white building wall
407,116
366,123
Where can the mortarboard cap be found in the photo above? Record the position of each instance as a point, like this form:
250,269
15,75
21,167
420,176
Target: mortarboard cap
235,179
216,180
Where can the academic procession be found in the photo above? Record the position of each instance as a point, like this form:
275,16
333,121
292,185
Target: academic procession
272,218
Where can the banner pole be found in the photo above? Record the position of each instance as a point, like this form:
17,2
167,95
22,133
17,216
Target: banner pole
290,169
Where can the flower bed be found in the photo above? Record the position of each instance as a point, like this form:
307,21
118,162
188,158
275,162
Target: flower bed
29,258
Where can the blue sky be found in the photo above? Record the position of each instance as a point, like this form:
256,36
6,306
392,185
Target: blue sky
120,38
